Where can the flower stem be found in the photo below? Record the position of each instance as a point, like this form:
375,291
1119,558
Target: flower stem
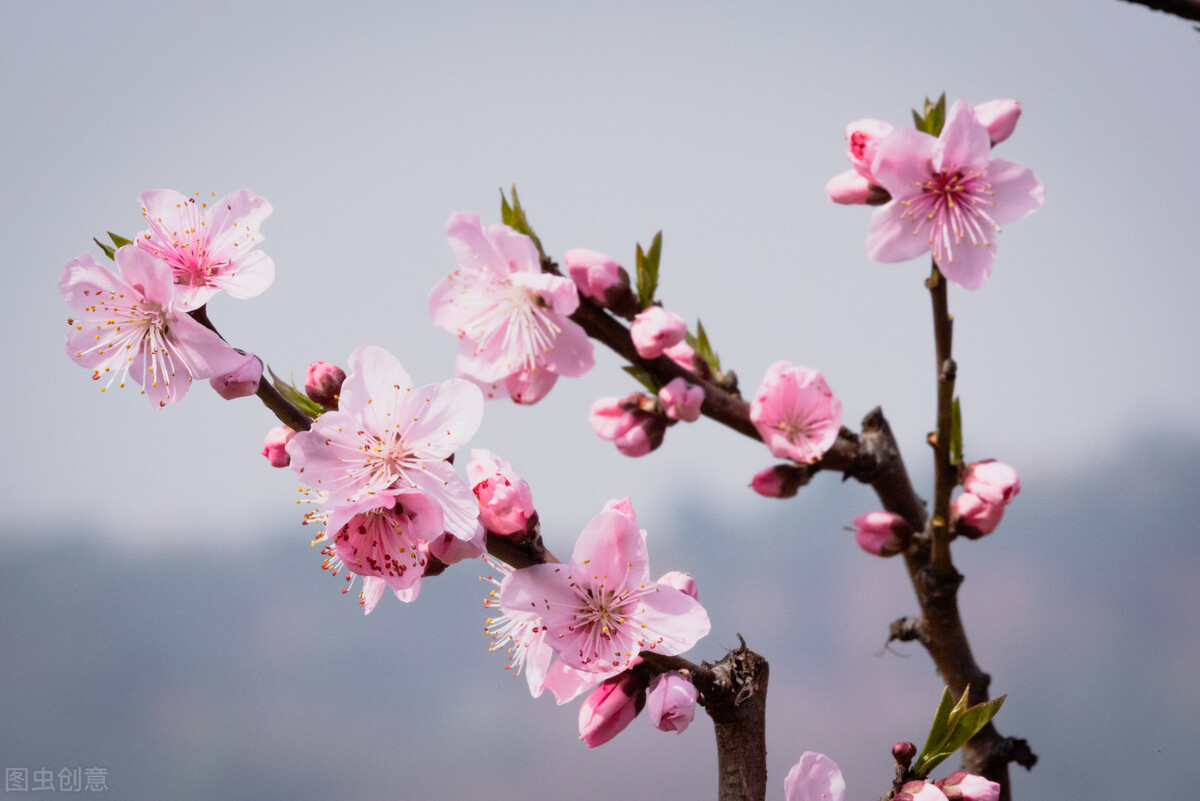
945,473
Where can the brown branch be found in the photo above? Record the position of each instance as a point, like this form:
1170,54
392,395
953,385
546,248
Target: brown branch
945,476
1186,9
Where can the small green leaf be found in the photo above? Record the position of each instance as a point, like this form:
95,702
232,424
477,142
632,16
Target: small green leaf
118,240
108,251
643,377
956,443
514,217
970,722
703,348
647,271
952,727
935,118
295,396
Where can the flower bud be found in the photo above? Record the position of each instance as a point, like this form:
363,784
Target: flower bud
682,582
862,142
681,400
992,481
629,423
273,446
999,117
904,753
323,384
449,549
849,188
611,706
963,786
601,279
241,381
780,481
656,329
505,500
882,533
975,517
671,703
918,790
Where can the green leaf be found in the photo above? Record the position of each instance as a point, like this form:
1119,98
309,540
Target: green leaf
647,271
703,348
118,240
956,443
935,118
295,396
952,727
108,251
514,217
643,377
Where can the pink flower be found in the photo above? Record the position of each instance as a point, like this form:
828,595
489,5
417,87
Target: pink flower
601,279
511,318
242,381
975,517
963,786
381,537
882,533
796,413
671,703
655,330
858,186
999,117
949,197
815,777
681,400
628,422
128,325
208,246
611,707
919,791
274,446
505,500
323,383
387,434
851,189
992,481
603,608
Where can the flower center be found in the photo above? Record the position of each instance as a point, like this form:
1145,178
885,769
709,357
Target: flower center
954,205
523,317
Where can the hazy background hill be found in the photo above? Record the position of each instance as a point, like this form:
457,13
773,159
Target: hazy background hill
204,673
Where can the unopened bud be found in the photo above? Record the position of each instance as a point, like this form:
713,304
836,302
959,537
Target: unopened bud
780,481
904,753
602,280
992,481
240,382
999,117
611,706
681,400
963,786
671,703
323,384
274,446
505,500
882,533
975,517
656,329
630,423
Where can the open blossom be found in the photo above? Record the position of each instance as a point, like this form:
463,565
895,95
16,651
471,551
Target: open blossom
127,324
381,537
949,197
815,777
388,434
603,608
796,413
208,244
511,317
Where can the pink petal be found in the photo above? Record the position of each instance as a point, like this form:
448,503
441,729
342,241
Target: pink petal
1018,192
445,416
848,188
903,161
611,546
894,237
674,621
150,275
964,143
459,505
971,264
572,353
815,777
374,375
253,274
517,250
472,249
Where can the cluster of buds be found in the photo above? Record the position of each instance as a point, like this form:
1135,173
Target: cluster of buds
990,486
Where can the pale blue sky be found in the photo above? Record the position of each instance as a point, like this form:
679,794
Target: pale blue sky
719,124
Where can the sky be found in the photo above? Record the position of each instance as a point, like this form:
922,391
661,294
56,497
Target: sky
366,126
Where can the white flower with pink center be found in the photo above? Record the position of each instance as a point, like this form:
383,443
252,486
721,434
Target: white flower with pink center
510,316
949,197
128,325
387,434
208,243
603,608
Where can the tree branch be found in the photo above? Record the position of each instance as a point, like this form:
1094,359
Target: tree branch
1186,9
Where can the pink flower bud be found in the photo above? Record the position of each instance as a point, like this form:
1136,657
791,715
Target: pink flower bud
323,384
601,279
656,329
780,481
975,517
611,706
994,482
681,400
449,549
683,355
862,142
882,533
671,703
682,582
849,188
274,444
631,426
904,752
241,381
505,500
999,117
963,786
919,791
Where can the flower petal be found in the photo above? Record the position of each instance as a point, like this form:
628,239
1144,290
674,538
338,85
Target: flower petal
1018,192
